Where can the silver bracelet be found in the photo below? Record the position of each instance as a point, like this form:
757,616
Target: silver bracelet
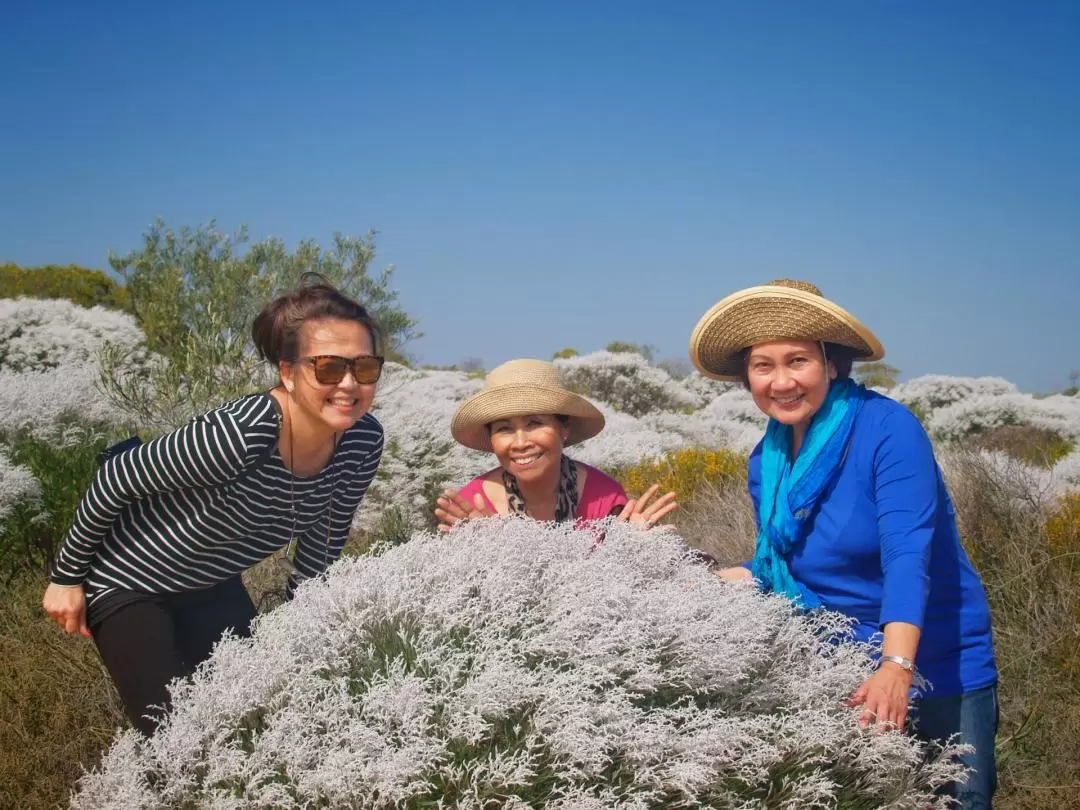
899,660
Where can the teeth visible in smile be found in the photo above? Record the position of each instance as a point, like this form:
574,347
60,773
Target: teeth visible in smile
343,403
526,460
788,400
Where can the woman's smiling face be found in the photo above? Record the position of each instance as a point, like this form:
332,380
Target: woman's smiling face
789,379
529,447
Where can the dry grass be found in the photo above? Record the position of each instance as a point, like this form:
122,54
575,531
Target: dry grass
1033,583
719,521
58,710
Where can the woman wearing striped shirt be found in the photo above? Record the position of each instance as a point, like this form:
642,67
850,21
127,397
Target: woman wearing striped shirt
151,565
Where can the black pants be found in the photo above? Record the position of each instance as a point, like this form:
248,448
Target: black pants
150,639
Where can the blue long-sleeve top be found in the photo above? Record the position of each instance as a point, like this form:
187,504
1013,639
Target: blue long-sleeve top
882,546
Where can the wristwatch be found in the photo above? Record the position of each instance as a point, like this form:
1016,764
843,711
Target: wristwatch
899,660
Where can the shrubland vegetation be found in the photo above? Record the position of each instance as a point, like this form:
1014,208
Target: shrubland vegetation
1011,461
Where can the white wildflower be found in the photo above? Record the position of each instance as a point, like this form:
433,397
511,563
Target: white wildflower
17,486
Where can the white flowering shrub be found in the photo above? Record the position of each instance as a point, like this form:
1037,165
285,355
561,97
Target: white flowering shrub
420,456
49,368
702,390
507,665
731,420
40,334
932,391
17,487
626,440
979,414
1065,475
624,380
37,402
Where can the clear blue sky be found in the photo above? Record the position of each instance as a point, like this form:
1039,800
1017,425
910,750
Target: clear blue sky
565,174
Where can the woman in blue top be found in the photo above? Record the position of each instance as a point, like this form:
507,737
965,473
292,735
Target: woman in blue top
853,514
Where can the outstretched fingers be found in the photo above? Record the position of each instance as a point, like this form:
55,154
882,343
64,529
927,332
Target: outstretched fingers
661,509
451,508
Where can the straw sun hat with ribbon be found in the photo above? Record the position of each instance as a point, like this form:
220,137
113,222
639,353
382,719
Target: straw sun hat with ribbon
521,388
780,310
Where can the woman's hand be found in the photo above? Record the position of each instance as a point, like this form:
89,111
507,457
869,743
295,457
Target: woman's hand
884,697
644,515
452,508
735,574
67,607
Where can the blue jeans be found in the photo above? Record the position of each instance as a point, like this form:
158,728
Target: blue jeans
974,716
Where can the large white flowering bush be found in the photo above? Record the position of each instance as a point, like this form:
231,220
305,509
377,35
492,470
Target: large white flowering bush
626,381
1066,473
511,665
49,367
37,403
931,391
978,414
38,334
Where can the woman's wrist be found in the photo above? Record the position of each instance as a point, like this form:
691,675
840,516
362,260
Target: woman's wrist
65,583
894,669
903,662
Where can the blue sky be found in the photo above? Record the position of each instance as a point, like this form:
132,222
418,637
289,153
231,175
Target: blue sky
556,174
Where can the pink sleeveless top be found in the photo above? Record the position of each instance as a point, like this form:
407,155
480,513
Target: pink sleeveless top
601,495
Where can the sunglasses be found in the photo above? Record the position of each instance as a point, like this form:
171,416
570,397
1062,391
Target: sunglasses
330,369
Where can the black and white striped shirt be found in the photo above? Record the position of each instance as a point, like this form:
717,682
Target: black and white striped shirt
198,505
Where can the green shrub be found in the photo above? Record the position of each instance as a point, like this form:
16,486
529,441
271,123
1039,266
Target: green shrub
64,469
623,347
195,294
79,285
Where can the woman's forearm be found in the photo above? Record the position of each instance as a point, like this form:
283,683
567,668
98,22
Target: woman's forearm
902,639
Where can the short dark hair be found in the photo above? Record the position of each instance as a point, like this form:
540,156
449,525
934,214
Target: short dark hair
841,357
276,330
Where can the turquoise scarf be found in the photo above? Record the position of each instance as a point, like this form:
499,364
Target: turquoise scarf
789,493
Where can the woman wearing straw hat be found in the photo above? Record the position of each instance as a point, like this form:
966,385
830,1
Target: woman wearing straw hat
853,514
526,418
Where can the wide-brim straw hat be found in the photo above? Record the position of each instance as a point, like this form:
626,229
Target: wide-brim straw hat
522,388
780,310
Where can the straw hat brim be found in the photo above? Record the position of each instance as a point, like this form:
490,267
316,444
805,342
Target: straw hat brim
469,425
770,312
